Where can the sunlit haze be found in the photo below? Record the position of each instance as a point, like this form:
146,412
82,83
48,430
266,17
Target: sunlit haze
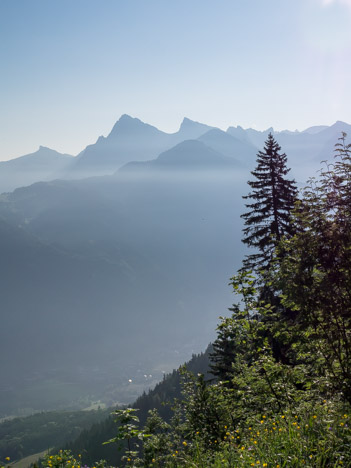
70,69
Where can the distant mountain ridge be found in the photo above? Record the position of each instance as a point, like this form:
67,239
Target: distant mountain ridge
132,140
43,164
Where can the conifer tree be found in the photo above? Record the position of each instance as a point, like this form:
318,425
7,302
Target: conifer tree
273,197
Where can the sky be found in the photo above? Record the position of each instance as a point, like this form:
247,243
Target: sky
71,68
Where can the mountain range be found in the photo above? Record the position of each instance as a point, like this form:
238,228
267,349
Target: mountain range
124,273
132,140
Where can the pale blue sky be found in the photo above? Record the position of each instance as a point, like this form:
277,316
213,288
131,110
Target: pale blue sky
70,68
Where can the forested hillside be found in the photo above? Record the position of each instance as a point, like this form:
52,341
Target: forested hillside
281,396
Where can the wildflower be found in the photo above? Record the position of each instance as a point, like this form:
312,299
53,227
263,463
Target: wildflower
264,464
283,416
314,417
185,444
153,460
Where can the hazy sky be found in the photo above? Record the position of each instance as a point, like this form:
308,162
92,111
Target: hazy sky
70,68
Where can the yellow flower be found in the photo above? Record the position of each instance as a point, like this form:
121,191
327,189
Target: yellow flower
153,460
185,444
242,448
314,417
283,416
264,464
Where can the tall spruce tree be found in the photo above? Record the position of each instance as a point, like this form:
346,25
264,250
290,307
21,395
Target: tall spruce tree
269,217
267,222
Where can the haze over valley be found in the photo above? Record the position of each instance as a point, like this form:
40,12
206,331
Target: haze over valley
116,261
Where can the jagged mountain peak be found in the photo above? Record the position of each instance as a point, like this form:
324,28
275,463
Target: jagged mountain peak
127,125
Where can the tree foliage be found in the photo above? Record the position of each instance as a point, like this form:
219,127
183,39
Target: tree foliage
273,196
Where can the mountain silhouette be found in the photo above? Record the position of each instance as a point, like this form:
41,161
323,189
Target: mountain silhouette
43,164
